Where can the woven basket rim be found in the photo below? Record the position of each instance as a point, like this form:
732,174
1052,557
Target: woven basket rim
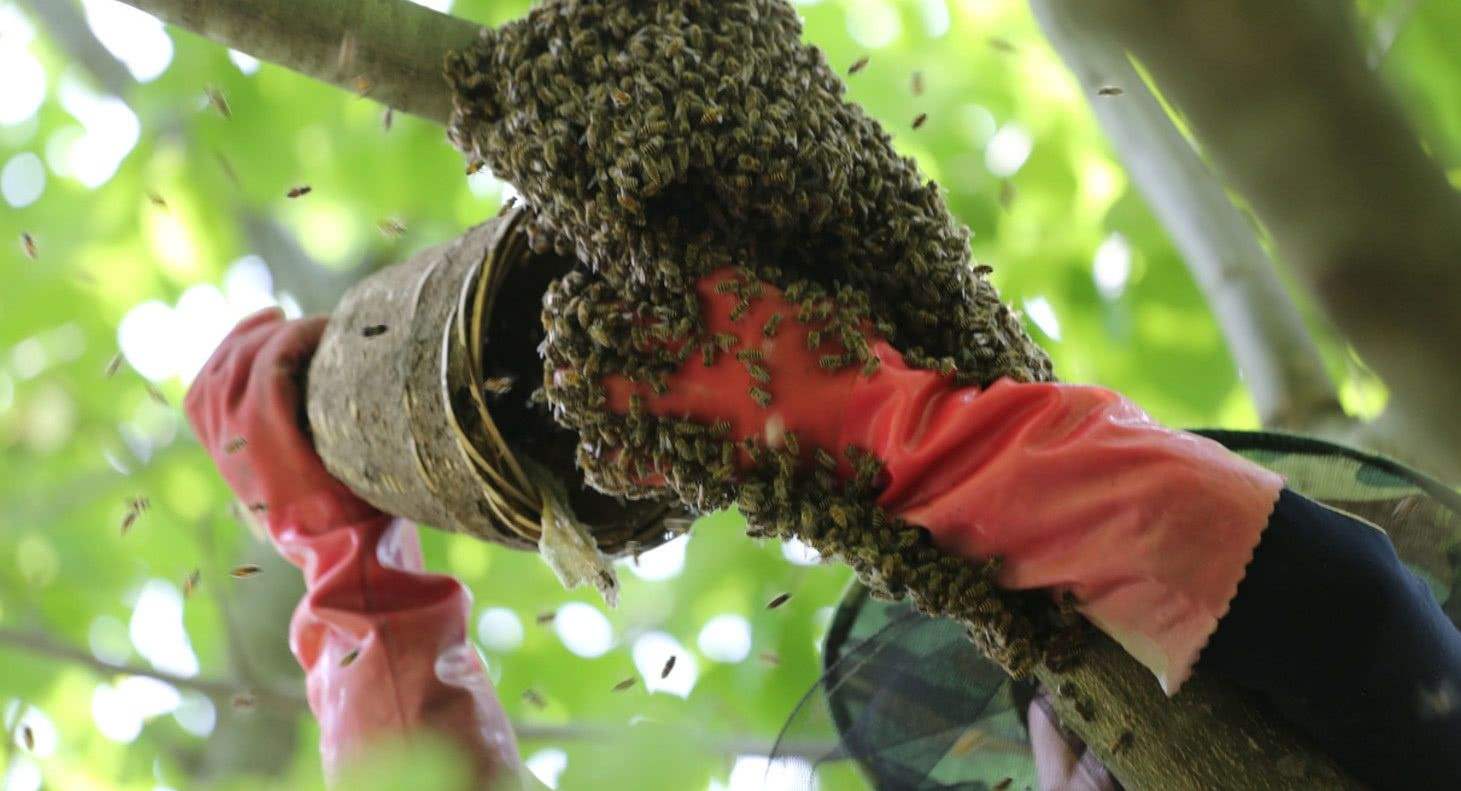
514,497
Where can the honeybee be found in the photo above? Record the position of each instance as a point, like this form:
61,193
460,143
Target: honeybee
218,101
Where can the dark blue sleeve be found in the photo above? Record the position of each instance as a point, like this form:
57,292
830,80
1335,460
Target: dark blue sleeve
1332,629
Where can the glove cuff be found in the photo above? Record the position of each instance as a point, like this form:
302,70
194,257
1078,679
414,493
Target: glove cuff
1076,489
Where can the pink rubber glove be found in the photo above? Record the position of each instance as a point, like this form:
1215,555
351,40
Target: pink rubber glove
383,645
1075,487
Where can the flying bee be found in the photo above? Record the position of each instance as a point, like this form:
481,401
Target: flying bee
625,684
191,583
497,385
475,165
838,515
769,657
373,330
28,244
243,572
917,83
533,698
1110,90
362,85
218,101
728,286
243,701
113,365
918,120
781,598
299,191
759,372
1007,194
760,396
824,458
629,202
155,394
814,339
831,362
28,737
391,227
349,658
727,340
707,354
721,427
129,519
156,200
388,118
235,445
669,666
546,617
858,65
258,508
750,355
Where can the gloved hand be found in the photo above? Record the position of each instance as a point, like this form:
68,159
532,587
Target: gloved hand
383,644
1074,487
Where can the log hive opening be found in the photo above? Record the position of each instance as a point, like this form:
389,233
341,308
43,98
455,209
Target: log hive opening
396,405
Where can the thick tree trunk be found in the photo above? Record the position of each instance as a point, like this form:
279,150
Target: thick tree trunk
1210,736
1265,334
1207,737
1281,99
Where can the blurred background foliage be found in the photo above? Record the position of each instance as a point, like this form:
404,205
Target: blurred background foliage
157,222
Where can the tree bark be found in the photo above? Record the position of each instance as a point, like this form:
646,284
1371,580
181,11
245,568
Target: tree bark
1281,100
1208,737
390,50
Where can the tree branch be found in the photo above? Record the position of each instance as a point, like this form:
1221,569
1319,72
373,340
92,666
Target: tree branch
1272,348
217,689
730,744
1281,99
224,690
393,48
68,28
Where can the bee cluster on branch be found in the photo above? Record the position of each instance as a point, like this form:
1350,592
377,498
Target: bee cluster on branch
660,140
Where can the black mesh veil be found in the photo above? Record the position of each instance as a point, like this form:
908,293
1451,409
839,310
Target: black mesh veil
915,706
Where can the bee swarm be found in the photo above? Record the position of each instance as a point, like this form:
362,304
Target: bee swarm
659,140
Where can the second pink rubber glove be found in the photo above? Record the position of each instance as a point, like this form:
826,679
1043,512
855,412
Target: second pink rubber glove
383,644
